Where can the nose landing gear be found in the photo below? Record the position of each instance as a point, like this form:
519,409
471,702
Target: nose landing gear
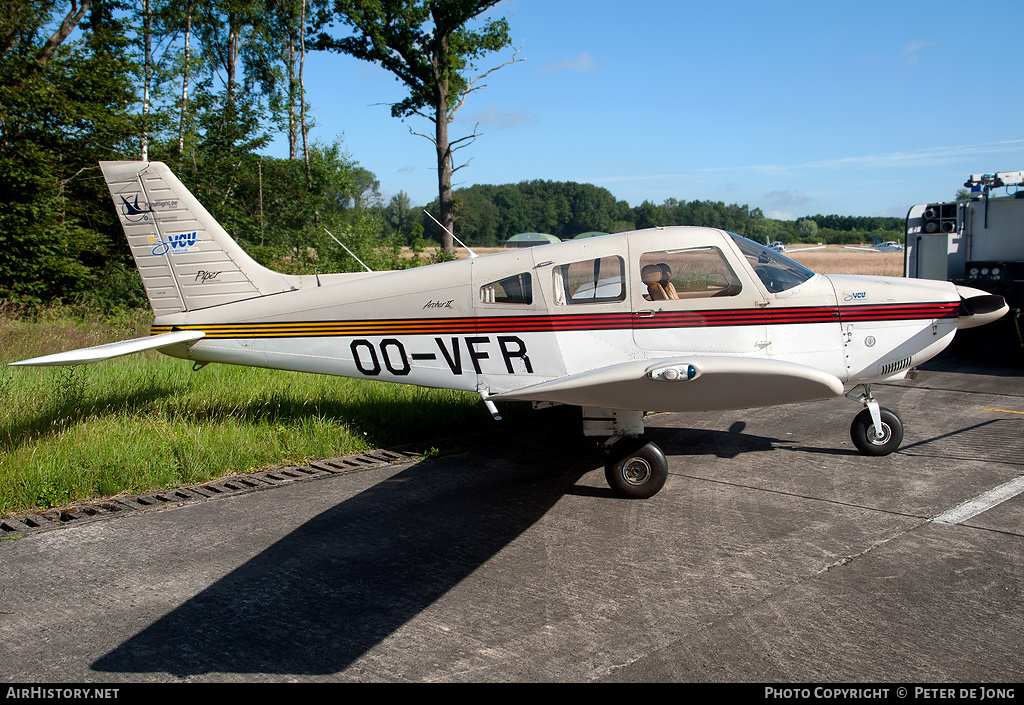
875,430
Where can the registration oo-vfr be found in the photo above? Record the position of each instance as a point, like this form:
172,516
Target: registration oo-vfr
661,320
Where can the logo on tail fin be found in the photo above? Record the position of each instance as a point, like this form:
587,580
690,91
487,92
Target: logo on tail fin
185,242
132,211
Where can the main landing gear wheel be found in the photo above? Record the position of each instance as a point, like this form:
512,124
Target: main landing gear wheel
636,469
868,442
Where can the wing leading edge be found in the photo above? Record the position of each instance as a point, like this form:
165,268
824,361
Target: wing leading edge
110,350
695,383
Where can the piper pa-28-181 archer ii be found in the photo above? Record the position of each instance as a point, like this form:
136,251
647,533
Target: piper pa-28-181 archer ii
661,320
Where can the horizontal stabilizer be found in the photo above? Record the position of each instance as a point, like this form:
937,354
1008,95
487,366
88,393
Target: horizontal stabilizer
694,383
110,350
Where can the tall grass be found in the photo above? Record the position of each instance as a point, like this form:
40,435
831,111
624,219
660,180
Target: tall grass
147,421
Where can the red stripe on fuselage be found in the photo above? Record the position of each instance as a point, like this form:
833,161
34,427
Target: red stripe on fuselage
576,322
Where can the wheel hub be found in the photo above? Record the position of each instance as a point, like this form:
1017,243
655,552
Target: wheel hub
636,471
879,440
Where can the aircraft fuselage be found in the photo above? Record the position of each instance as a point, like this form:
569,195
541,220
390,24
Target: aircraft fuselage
503,321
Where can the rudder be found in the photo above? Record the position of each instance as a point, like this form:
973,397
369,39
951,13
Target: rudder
186,259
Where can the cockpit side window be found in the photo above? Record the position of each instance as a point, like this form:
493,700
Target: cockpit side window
590,281
776,271
517,289
691,273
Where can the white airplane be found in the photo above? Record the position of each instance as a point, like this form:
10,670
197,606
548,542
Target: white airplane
887,246
666,319
780,246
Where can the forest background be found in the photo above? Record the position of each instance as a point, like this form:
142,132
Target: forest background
205,87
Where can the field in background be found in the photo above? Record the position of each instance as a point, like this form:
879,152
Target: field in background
832,260
839,260
143,422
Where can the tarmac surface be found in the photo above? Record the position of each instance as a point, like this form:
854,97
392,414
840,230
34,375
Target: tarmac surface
775,554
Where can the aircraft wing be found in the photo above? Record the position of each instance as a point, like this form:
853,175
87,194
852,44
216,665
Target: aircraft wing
862,249
109,350
806,249
695,383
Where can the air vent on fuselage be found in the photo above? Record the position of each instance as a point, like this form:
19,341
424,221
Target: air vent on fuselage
891,368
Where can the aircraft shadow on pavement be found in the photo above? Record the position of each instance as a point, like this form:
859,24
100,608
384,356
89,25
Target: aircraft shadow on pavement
332,589
335,587
721,444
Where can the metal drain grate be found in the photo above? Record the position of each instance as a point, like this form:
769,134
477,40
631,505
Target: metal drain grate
239,484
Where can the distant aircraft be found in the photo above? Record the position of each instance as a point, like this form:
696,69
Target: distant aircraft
780,246
887,246
666,319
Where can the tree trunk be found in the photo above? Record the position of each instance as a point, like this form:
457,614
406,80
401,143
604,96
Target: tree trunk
302,93
66,27
147,19
444,180
444,157
293,108
233,52
184,83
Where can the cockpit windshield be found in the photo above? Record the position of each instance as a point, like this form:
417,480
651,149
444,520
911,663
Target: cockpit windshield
776,271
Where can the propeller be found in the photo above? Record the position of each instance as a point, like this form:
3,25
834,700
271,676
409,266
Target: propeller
986,303
978,307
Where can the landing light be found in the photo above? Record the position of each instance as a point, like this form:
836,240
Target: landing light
678,373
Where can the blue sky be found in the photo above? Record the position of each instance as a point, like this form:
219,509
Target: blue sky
797,108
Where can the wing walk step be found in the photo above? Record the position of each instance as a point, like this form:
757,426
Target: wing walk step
236,484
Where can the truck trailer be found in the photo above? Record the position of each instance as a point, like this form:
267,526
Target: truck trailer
977,241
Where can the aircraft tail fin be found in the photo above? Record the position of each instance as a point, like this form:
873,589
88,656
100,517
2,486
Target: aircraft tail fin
186,259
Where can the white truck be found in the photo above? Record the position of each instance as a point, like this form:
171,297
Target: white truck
977,241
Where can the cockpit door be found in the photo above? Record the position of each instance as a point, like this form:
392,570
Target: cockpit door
691,293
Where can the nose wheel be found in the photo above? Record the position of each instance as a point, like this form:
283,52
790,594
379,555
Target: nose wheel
635,469
875,430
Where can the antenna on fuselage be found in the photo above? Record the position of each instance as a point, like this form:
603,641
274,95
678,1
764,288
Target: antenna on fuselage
471,253
348,250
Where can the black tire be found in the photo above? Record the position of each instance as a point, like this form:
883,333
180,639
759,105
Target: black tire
636,470
862,432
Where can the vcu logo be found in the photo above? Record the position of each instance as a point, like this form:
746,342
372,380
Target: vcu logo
183,242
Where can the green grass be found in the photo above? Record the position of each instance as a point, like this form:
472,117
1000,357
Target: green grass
147,421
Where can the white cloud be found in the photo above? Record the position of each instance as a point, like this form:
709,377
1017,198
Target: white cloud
786,198
493,115
900,160
911,51
581,63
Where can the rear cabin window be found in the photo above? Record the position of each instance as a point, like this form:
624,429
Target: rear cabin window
590,281
517,289
692,273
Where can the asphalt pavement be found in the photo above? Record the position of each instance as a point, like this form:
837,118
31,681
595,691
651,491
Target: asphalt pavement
775,554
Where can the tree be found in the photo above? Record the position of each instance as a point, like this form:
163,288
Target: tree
63,106
426,44
807,228
399,213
